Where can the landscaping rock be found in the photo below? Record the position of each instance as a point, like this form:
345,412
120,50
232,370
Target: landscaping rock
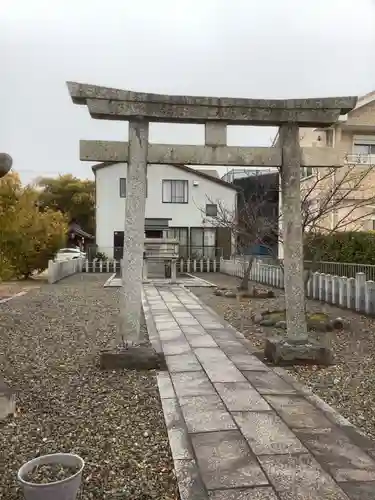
267,322
7,400
230,295
281,324
257,318
338,324
134,358
263,294
319,326
281,352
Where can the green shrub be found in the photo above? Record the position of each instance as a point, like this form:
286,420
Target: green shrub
351,246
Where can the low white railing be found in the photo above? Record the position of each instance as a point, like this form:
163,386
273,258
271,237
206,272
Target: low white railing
59,269
183,266
356,293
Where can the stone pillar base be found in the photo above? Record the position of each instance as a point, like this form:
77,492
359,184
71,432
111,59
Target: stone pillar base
139,357
280,352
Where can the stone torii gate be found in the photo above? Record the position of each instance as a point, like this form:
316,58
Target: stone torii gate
215,113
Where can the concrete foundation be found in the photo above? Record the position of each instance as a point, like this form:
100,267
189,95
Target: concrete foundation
134,358
281,351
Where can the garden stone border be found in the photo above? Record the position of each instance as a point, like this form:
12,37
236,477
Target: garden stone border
19,294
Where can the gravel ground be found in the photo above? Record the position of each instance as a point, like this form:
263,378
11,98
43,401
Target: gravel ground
349,385
49,341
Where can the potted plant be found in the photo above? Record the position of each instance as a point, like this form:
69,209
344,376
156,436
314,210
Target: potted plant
57,476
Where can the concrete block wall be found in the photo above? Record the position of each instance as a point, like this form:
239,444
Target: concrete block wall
57,270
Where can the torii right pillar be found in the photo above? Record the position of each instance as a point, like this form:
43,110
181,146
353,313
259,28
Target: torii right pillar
297,346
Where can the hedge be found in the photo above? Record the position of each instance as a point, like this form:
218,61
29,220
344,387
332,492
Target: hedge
353,247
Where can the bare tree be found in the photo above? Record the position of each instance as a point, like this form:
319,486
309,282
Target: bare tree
254,222
335,200
332,200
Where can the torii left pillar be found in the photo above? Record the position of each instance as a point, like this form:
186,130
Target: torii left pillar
131,290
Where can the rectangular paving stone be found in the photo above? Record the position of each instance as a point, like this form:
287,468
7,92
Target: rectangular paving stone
165,385
220,333
190,484
193,330
334,451
182,314
201,341
269,383
218,367
183,363
177,431
175,346
248,362
231,347
299,477
298,413
225,461
267,434
166,325
210,355
171,335
264,493
187,322
161,317
211,324
240,396
205,414
359,491
192,384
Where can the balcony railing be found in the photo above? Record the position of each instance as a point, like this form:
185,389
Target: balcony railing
363,159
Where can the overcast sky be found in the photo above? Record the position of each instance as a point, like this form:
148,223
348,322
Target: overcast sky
233,48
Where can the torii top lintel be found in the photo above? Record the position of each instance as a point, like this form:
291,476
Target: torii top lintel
114,104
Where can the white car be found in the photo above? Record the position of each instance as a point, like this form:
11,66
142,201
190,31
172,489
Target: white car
70,254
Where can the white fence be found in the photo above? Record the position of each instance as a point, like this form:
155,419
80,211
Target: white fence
350,293
204,265
59,269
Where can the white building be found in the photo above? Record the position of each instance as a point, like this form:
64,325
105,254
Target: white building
179,203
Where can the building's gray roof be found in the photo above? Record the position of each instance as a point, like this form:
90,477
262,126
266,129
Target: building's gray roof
200,173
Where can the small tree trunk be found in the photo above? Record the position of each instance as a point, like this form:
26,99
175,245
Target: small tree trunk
246,275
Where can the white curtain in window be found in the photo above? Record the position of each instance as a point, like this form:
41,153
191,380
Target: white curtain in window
209,237
361,149
167,191
179,191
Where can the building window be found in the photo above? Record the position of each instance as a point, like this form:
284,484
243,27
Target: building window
329,138
211,210
175,191
306,172
202,242
365,149
180,234
122,187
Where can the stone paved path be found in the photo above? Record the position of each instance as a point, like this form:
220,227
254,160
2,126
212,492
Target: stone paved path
240,430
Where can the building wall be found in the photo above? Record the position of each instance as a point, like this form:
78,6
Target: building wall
360,176
110,207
